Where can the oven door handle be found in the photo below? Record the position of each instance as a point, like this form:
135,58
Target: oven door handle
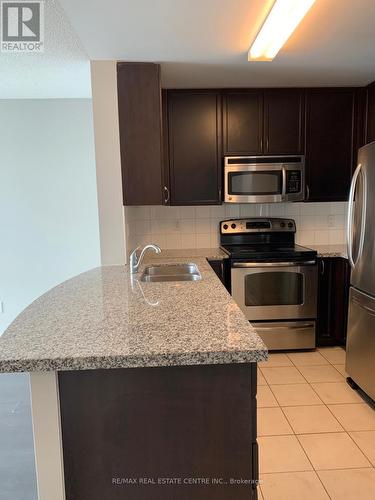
273,264
290,327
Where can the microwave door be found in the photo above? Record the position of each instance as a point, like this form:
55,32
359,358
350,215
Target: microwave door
254,186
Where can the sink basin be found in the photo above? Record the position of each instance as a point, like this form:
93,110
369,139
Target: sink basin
172,272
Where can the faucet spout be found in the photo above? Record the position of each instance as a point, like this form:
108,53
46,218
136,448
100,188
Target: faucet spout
135,261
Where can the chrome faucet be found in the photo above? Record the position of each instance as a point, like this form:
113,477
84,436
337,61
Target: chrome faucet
135,261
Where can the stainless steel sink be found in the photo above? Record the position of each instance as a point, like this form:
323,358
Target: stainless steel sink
172,272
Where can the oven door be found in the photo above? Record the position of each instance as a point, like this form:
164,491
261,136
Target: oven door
276,290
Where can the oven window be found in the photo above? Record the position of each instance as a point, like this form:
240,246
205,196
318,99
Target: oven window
255,183
274,289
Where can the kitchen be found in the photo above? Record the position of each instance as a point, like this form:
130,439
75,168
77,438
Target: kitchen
256,202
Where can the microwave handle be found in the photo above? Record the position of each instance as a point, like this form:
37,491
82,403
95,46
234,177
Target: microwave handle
283,192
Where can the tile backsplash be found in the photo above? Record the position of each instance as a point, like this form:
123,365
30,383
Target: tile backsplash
198,227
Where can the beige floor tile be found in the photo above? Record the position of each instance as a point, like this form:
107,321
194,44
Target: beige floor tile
341,369
307,358
333,451
366,441
265,397
311,419
334,355
261,379
272,422
295,395
355,417
283,375
336,393
324,373
282,454
276,359
293,486
353,484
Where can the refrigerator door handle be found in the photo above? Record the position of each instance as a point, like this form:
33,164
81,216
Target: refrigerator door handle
349,235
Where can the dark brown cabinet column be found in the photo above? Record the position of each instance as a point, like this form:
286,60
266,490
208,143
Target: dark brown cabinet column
140,121
333,298
330,122
370,113
283,121
195,162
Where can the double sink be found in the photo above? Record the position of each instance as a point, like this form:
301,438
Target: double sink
171,272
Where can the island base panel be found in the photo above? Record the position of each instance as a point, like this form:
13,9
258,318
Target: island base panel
186,433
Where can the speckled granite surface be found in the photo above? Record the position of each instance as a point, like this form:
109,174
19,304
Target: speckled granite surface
331,250
104,319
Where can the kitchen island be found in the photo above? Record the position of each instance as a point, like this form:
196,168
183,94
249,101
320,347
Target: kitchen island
139,390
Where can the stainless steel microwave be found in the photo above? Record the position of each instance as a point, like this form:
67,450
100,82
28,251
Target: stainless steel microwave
264,179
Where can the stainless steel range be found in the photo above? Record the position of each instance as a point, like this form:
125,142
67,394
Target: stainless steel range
273,280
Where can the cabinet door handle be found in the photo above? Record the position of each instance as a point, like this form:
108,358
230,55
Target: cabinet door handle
166,193
322,271
307,192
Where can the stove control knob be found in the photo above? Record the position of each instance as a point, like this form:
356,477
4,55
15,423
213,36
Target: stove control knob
225,226
233,226
282,224
290,224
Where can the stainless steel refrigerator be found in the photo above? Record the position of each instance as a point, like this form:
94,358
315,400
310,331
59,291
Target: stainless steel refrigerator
360,356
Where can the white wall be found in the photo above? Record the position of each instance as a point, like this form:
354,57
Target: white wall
48,198
108,163
197,227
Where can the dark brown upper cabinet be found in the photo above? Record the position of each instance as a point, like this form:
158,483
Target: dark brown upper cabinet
194,132
243,122
370,113
140,122
283,121
330,120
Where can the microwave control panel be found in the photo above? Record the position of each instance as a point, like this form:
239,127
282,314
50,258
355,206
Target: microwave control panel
293,181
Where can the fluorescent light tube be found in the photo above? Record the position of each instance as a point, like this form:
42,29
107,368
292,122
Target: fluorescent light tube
280,23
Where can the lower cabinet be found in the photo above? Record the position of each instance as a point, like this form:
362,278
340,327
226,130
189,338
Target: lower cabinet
333,296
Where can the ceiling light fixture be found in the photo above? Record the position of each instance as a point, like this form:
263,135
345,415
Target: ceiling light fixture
280,23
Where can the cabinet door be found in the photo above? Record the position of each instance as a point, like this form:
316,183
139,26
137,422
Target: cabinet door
334,283
139,101
283,121
329,143
243,123
370,114
194,119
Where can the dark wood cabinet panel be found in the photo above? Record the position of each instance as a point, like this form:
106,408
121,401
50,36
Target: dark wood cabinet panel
164,422
329,143
194,124
283,121
370,113
243,122
140,122
333,298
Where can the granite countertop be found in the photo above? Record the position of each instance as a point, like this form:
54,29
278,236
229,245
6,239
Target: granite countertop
331,250
105,319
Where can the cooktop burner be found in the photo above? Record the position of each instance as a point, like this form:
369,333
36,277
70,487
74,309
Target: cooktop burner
262,239
269,252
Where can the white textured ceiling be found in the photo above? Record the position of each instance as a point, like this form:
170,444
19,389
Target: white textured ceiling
205,42
200,43
62,71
